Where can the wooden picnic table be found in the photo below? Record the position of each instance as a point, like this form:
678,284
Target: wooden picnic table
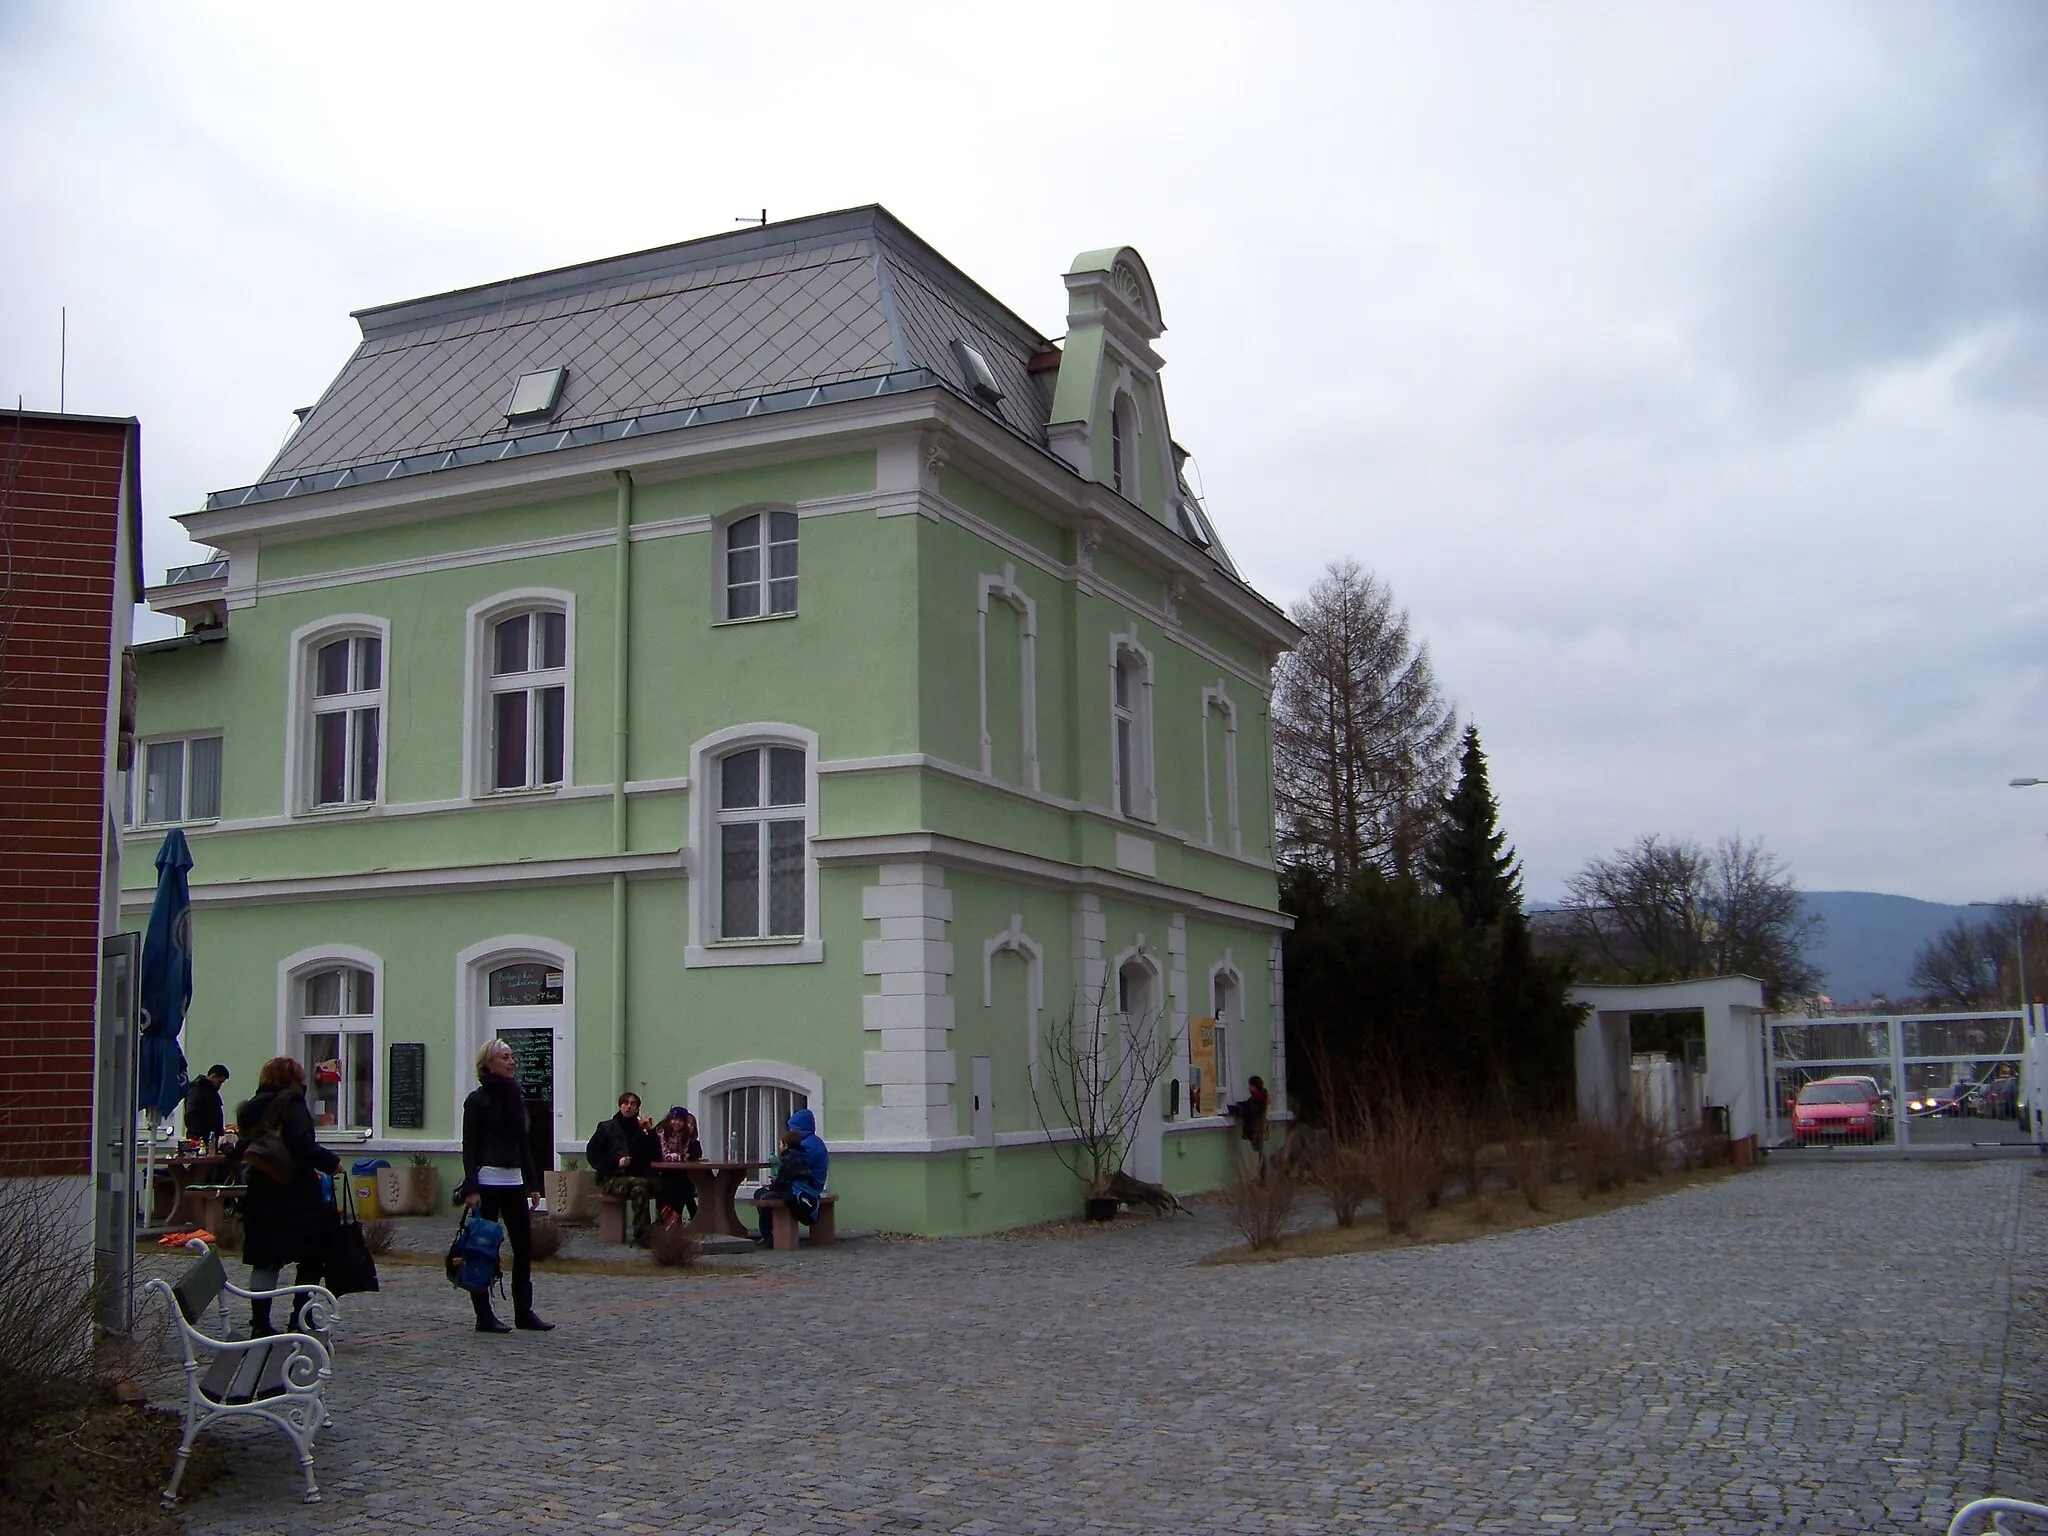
715,1184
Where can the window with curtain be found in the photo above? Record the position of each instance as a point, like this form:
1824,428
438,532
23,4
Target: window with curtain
760,821
528,691
749,1121
338,1046
179,781
347,720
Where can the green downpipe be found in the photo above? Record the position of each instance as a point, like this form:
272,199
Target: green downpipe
622,638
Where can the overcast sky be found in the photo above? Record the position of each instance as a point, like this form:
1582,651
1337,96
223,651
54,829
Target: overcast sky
1683,368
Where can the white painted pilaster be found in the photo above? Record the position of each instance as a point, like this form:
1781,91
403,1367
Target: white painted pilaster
912,1014
1177,999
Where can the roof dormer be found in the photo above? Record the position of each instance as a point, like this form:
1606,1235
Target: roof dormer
1108,414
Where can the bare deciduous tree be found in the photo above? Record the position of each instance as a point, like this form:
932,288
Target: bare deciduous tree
1980,964
1663,910
1096,1077
1363,739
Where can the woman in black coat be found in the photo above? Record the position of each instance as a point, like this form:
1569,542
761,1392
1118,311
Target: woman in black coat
283,1223
499,1180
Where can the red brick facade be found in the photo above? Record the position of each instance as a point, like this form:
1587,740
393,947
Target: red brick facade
66,485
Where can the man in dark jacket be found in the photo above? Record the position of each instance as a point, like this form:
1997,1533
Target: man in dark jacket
619,1152
204,1115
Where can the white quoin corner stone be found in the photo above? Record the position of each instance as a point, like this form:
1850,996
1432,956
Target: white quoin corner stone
913,1011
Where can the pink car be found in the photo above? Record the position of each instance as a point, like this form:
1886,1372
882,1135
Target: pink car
1835,1109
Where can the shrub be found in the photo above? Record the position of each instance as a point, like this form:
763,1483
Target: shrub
1341,1173
674,1247
1261,1203
1599,1157
1644,1143
380,1234
547,1237
46,1311
1528,1157
1399,1153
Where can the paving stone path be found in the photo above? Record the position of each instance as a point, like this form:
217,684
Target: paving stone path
1821,1346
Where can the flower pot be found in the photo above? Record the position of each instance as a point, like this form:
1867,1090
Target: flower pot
423,1189
1101,1208
572,1194
394,1192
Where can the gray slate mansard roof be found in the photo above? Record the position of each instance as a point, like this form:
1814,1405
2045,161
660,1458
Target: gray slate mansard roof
825,300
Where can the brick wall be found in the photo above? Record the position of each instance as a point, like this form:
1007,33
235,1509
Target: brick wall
60,496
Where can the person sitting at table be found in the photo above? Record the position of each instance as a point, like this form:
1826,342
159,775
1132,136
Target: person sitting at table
619,1152
677,1133
205,1117
800,1171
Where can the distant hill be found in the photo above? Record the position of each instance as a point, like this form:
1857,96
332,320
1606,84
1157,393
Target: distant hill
1870,939
1867,942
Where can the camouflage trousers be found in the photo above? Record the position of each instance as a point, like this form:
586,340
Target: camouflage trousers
640,1194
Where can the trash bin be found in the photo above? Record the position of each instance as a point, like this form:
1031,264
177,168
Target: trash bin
362,1183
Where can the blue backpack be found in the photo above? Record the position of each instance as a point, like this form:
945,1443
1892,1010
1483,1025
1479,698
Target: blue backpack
473,1256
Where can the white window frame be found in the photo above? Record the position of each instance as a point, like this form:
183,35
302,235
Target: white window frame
721,603
1142,804
1218,700
704,947
1229,1027
707,1086
473,967
1014,940
302,655
1005,588
478,751
135,780
292,974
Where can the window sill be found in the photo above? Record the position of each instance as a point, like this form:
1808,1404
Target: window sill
759,618
537,792
754,952
335,1133
357,808
200,822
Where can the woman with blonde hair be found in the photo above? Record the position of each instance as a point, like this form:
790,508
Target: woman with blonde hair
499,1180
283,1221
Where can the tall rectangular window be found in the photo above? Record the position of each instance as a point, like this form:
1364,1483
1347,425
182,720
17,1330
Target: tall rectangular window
760,818
1131,723
529,699
348,718
338,1046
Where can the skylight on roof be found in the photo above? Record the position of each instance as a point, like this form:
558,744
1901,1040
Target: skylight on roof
534,396
976,374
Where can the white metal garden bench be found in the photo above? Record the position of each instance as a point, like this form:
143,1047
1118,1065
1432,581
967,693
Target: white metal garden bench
1997,1509
278,1378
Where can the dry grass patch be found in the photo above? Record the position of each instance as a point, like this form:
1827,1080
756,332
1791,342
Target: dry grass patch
1460,1219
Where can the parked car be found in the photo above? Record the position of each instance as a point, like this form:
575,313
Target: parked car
1837,1109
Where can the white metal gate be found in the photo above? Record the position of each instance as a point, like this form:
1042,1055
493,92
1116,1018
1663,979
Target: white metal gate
1944,1079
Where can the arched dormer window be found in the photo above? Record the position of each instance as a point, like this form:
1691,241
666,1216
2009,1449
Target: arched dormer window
1123,446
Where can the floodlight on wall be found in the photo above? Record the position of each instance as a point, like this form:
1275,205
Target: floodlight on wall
535,394
976,374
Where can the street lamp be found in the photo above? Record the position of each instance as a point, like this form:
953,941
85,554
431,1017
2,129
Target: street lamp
2019,928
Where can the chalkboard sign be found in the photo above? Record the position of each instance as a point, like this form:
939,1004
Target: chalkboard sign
407,1109
533,1053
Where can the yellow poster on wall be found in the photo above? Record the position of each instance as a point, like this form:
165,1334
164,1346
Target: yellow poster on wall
1202,1089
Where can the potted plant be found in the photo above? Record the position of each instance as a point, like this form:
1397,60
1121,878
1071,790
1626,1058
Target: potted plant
571,1191
423,1184
1096,1077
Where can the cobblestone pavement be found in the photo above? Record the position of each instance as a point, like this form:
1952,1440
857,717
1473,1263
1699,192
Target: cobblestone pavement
1821,1346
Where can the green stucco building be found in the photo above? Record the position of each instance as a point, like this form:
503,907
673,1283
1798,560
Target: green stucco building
758,671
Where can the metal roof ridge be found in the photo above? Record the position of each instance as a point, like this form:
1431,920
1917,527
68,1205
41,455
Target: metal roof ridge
683,255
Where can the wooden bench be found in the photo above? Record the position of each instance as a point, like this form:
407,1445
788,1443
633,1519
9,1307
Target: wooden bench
206,1205
611,1219
824,1230
279,1378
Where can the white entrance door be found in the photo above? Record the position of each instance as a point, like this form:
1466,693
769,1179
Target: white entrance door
524,1006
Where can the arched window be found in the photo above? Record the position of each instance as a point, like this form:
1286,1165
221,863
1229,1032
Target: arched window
528,692
760,565
332,1022
1131,727
761,843
1226,1007
1219,770
743,1106
1123,446
337,756
1007,623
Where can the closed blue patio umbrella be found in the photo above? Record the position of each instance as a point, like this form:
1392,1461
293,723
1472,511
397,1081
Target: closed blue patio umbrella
166,982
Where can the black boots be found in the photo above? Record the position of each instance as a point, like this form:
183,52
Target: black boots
533,1321
486,1319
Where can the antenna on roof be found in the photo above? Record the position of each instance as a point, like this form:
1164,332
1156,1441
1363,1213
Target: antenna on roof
63,352
748,218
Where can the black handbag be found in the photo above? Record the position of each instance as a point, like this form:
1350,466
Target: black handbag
347,1266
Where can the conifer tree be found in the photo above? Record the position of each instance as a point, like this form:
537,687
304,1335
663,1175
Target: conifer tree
1470,861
